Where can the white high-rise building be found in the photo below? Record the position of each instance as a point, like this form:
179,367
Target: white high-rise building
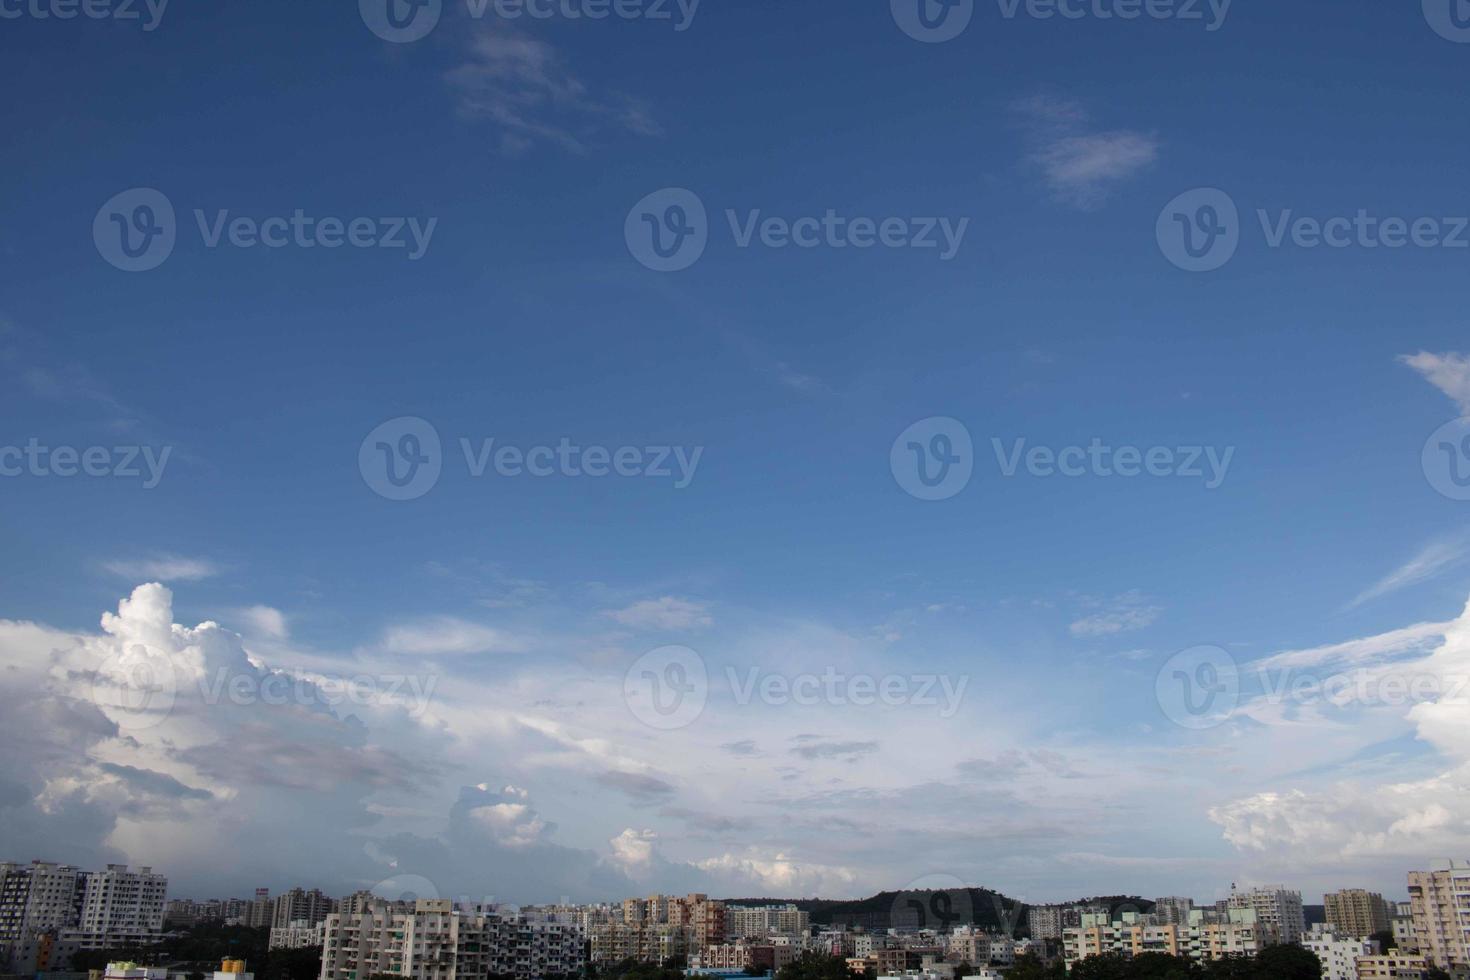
1279,912
437,941
1339,953
119,908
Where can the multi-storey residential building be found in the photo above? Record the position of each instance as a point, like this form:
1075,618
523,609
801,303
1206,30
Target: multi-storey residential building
1392,966
1050,921
765,920
1173,910
1358,912
1207,936
1339,952
39,897
119,908
437,941
765,957
1279,913
299,904
646,942
1404,936
298,935
1440,901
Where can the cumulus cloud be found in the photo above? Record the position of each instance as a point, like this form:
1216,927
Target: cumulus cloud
633,850
1351,820
1449,372
666,613
1079,163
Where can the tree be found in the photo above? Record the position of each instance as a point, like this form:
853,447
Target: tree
812,965
1029,966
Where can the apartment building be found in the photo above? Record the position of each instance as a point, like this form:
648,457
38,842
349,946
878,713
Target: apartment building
1173,910
1440,901
437,941
119,908
766,957
300,934
1404,936
1339,951
1208,935
38,897
742,921
1392,966
1050,921
299,905
1358,912
1279,914
646,942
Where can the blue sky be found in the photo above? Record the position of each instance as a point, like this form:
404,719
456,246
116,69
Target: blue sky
1058,320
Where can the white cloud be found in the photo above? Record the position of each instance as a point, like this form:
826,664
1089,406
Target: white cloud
665,613
1351,820
448,635
265,621
523,85
633,850
1434,558
1449,372
779,874
1082,165
1122,614
163,568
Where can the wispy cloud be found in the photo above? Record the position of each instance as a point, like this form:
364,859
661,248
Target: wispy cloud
444,635
1121,614
815,747
1449,372
163,568
1435,557
1079,163
664,613
524,86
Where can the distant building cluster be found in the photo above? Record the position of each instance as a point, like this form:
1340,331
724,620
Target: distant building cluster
50,911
